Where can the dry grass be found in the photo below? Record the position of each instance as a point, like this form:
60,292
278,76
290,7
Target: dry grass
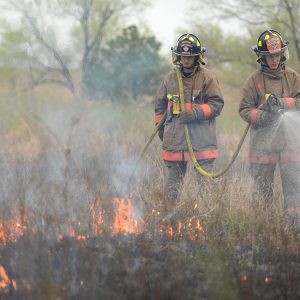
58,159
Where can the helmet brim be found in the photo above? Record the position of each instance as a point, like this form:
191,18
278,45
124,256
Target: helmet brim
185,54
201,52
266,53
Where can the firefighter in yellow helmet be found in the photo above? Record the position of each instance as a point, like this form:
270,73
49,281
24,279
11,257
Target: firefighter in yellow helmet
271,103
203,103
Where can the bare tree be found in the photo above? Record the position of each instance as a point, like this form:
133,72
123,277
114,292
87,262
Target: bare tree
282,14
44,22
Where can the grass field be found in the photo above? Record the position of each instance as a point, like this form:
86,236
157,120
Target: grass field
64,163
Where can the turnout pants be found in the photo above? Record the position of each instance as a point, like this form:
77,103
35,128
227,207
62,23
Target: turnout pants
263,175
175,173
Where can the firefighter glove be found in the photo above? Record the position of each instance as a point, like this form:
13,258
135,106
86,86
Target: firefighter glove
188,116
273,103
267,118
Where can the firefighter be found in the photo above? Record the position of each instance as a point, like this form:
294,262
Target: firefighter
270,103
203,103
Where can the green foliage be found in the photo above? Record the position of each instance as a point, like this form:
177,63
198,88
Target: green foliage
255,16
229,55
12,54
41,25
287,35
13,45
129,67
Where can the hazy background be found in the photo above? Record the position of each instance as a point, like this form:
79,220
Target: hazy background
78,79
164,18
97,49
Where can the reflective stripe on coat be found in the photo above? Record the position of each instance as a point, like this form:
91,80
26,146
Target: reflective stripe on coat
200,89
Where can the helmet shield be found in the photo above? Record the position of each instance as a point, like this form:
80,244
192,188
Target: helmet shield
269,42
188,45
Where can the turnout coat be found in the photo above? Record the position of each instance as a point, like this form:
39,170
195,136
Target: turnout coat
274,142
201,88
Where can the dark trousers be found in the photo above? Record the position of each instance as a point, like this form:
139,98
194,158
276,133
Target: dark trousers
263,175
175,172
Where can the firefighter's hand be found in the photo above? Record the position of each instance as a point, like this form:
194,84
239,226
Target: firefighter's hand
273,103
187,116
267,118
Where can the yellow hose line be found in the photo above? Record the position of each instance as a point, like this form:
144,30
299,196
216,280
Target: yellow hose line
188,139
146,146
190,146
153,134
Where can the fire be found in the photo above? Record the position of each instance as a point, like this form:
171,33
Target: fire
190,229
73,233
97,220
125,222
267,279
5,282
244,278
11,230
2,234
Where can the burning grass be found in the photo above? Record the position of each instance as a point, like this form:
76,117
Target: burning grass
71,227
109,267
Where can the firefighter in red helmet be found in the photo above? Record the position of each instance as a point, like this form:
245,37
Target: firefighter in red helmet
271,103
203,103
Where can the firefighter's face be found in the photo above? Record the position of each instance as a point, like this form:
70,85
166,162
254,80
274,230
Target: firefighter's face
187,61
273,61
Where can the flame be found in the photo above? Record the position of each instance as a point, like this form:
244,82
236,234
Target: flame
125,222
5,282
11,230
244,278
191,229
2,234
97,220
267,279
73,233
170,231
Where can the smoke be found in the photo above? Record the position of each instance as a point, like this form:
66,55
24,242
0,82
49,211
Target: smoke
291,123
290,166
63,161
59,160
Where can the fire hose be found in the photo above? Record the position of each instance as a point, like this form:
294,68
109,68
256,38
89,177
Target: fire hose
188,139
153,134
190,146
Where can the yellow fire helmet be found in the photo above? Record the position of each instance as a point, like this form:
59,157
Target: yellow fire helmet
188,45
270,42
